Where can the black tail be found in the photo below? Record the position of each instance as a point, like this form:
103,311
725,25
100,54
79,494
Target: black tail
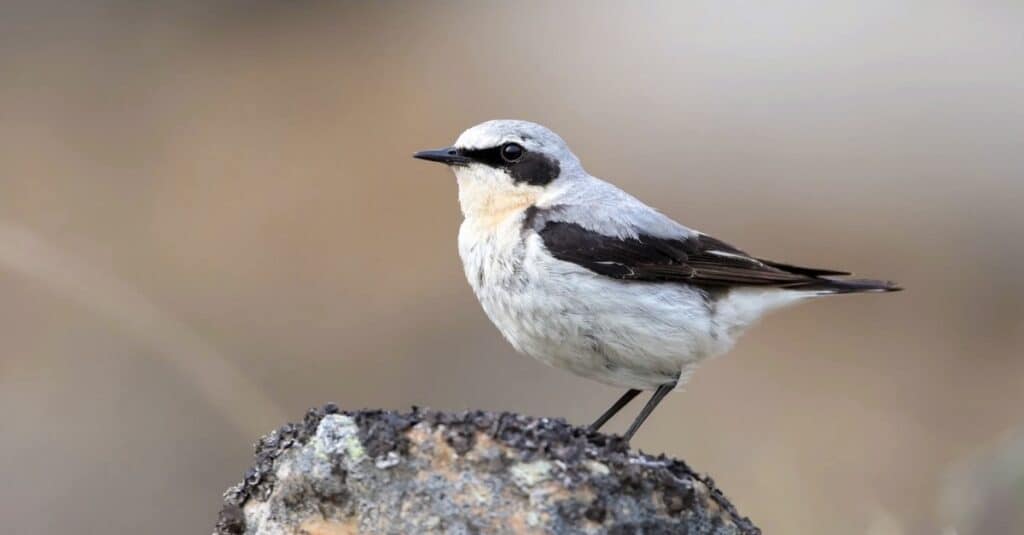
848,286
828,281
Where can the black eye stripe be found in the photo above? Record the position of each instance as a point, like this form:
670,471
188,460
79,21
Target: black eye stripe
490,156
534,168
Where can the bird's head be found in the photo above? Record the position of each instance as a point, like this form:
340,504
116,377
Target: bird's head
504,164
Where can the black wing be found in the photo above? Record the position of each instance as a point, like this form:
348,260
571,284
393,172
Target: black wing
700,260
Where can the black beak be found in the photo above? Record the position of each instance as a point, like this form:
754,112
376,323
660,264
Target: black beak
449,156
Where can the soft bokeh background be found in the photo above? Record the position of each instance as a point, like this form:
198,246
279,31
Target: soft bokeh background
209,221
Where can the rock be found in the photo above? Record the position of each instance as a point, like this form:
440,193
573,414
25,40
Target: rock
475,472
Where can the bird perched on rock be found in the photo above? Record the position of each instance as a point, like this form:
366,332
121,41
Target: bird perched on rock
583,276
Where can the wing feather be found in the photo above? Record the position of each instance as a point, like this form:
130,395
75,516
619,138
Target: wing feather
697,259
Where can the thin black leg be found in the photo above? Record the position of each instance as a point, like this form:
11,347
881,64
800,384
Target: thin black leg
615,408
659,395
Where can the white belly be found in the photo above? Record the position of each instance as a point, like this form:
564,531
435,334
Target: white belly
625,334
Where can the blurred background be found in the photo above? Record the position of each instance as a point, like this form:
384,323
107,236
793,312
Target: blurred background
210,221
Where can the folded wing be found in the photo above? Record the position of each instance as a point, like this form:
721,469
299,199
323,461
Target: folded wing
696,259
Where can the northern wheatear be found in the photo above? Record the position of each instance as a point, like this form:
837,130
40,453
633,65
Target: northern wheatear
581,275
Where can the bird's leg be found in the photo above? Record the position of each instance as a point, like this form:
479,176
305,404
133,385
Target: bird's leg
614,409
659,395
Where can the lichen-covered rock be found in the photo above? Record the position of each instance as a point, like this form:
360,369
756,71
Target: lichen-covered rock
475,472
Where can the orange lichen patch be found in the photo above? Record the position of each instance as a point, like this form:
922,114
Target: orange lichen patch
584,495
484,449
483,442
473,493
443,457
443,453
521,523
553,491
419,436
320,526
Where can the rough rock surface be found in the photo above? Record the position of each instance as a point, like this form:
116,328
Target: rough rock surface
476,472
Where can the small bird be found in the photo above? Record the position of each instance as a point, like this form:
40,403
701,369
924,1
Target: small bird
580,275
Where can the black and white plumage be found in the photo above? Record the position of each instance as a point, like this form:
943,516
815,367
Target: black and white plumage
582,276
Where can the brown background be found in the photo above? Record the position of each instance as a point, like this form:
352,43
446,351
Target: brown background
209,221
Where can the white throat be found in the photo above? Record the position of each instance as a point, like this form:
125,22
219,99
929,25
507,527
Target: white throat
489,197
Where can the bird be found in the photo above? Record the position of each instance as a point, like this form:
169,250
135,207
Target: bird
581,275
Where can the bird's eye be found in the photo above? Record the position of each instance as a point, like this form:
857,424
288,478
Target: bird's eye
512,152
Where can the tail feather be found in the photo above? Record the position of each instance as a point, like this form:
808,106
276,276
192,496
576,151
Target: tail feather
803,270
828,281
847,286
